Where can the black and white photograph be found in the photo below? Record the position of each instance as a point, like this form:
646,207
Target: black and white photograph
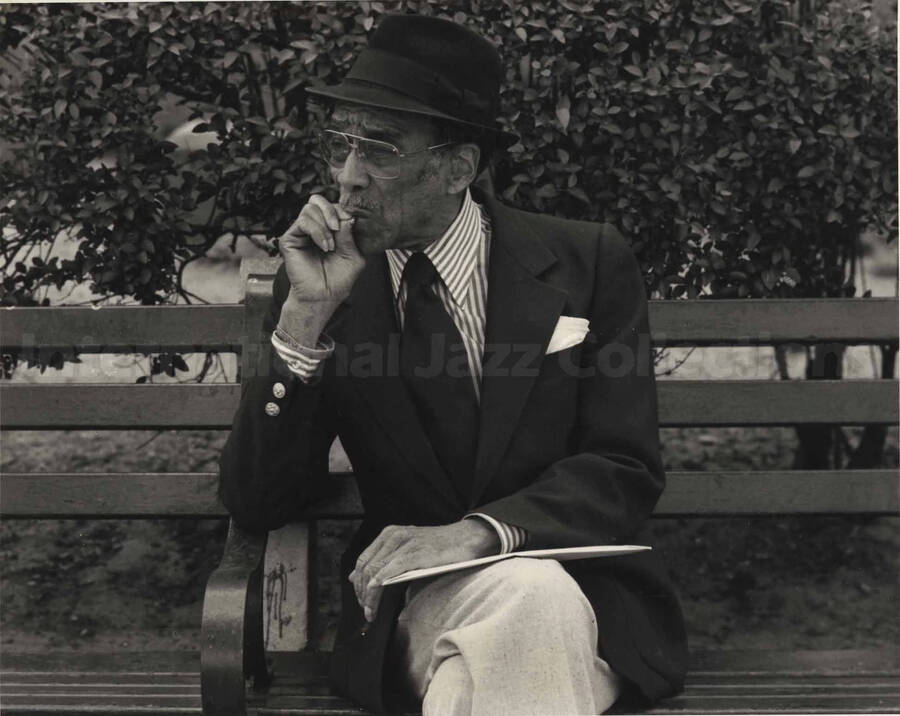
449,357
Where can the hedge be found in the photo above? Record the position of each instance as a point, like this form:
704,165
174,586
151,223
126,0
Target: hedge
742,147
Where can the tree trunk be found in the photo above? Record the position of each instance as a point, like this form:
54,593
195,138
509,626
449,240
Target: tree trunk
816,443
870,451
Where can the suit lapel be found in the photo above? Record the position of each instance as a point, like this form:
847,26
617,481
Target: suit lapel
367,326
522,312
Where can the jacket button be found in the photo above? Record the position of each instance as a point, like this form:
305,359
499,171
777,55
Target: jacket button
278,390
272,410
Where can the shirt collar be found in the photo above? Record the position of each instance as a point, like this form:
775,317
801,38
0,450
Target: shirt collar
454,255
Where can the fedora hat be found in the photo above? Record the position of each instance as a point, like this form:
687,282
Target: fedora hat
427,66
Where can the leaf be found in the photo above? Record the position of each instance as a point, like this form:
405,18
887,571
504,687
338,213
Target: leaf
59,107
579,194
562,112
522,34
793,145
744,106
230,58
806,172
266,143
559,35
633,70
769,278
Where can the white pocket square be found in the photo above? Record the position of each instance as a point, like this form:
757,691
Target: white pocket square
569,331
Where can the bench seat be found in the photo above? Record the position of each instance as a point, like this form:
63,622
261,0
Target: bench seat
169,683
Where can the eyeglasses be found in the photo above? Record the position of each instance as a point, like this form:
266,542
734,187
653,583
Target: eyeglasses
381,160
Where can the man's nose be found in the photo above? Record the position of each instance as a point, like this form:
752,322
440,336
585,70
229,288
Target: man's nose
353,174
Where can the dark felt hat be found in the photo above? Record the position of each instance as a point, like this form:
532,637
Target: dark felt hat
427,66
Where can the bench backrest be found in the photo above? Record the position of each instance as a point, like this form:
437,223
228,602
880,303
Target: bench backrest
131,329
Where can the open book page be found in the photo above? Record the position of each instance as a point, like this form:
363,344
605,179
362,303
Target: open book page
561,554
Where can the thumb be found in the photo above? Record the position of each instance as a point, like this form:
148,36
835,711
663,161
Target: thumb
343,238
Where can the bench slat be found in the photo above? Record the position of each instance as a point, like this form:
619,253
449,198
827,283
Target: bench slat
793,492
125,329
768,321
777,402
681,403
132,495
118,406
124,495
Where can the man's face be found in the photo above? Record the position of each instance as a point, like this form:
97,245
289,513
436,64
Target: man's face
406,211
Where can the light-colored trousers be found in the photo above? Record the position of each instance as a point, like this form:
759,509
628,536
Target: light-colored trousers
516,637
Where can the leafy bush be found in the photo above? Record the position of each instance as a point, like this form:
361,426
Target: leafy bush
741,147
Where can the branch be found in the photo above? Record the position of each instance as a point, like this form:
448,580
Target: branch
677,364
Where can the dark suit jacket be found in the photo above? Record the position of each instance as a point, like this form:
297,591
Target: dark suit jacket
568,443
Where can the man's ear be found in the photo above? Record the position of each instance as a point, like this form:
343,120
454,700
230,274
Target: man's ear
463,168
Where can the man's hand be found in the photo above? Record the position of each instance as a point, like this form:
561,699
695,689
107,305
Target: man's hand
401,548
322,264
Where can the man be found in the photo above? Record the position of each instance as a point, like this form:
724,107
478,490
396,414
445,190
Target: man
444,338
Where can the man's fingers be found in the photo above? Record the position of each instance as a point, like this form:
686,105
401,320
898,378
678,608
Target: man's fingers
371,600
375,546
381,549
291,240
317,231
328,210
305,229
344,243
372,561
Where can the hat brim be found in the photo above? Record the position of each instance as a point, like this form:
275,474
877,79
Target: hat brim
383,98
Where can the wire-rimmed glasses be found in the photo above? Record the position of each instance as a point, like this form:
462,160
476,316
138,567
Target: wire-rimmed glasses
381,160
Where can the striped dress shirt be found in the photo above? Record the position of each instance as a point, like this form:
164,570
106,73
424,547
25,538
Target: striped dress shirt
460,257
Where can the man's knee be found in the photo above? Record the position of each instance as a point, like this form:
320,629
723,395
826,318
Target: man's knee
541,585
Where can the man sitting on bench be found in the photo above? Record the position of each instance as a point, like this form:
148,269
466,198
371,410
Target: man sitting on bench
488,372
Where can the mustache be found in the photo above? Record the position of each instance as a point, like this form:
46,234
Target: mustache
353,202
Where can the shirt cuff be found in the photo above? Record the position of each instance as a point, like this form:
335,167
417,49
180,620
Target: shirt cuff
301,360
511,536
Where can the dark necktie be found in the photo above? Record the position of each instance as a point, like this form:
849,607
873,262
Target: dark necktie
435,369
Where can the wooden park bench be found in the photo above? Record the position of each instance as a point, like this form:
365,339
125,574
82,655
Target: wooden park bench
262,584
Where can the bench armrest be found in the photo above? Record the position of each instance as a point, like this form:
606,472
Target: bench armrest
232,648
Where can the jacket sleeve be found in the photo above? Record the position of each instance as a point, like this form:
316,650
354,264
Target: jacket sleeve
275,461
608,486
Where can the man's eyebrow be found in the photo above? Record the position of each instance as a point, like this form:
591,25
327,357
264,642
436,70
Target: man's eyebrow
384,132
376,128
